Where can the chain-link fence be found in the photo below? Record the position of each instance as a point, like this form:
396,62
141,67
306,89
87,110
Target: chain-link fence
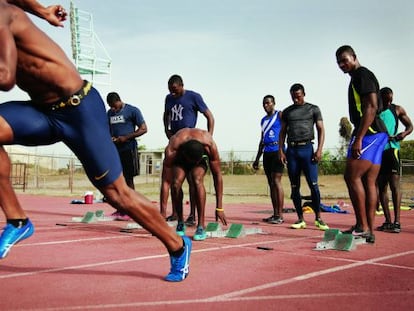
64,175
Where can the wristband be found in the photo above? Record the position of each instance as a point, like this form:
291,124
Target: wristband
220,209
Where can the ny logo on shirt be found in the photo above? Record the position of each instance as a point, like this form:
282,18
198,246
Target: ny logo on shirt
177,113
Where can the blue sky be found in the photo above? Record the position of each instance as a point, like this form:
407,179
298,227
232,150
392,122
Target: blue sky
233,52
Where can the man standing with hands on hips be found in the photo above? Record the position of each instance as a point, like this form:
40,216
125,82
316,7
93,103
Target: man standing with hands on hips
390,171
367,143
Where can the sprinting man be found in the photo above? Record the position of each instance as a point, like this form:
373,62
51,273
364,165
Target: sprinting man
367,143
389,173
63,107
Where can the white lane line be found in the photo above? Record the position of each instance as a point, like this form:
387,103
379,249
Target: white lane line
104,263
25,274
308,276
71,241
231,296
236,299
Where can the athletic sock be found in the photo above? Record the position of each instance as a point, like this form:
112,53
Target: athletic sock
18,223
178,253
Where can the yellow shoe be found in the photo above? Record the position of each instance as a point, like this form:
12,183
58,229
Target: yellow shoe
321,225
300,224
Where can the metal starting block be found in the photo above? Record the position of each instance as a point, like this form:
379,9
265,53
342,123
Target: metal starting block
90,217
134,225
214,230
335,239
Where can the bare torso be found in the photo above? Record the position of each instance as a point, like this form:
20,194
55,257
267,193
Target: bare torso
185,135
43,69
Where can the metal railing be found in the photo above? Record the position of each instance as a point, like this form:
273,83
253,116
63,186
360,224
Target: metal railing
65,174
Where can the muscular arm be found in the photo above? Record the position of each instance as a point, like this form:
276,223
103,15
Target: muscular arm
405,119
259,153
54,14
8,57
210,121
167,172
166,120
282,138
214,162
369,110
141,130
321,140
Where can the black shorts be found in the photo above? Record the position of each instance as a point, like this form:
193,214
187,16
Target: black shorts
187,167
391,162
130,162
272,163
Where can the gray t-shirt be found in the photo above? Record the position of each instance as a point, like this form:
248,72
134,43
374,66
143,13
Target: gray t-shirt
300,120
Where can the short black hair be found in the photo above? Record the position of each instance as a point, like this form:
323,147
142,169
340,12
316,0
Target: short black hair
112,98
386,90
343,49
192,149
175,79
272,98
297,87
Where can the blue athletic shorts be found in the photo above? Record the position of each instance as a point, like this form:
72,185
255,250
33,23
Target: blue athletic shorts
84,129
372,147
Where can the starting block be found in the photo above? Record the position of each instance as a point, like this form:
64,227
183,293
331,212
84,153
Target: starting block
335,239
214,230
133,225
90,217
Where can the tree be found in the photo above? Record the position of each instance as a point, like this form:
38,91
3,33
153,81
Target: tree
331,164
345,131
407,150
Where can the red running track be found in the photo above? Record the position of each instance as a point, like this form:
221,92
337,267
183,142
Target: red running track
97,267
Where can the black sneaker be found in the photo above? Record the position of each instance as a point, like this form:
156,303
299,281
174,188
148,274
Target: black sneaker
277,221
180,230
171,218
358,232
350,230
396,227
386,226
370,238
190,221
274,220
268,218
